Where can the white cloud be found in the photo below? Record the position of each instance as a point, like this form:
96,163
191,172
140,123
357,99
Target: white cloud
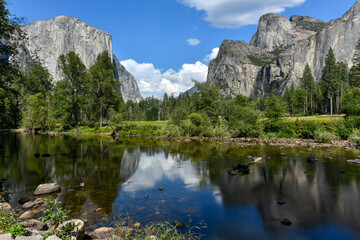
153,82
193,41
237,13
212,55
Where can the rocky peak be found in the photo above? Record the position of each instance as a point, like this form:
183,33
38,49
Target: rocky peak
307,23
48,39
276,31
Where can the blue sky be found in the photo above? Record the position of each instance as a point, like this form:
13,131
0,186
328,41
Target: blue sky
153,37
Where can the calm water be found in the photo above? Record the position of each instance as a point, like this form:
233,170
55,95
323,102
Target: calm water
321,202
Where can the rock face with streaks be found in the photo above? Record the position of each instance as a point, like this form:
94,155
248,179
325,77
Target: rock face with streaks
279,50
48,39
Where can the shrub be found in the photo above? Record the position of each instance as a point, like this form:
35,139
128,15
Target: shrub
117,118
9,224
56,214
221,131
196,119
187,128
243,129
355,136
171,130
323,136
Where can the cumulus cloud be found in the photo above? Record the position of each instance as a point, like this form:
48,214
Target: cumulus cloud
212,55
153,82
193,41
237,13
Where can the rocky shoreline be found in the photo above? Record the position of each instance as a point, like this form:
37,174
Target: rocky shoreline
241,142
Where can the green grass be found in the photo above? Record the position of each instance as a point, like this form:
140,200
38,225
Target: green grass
155,123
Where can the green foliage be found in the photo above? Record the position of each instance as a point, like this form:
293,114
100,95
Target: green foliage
65,233
178,115
36,112
354,75
103,88
244,122
54,213
355,136
323,136
171,130
351,102
9,224
274,109
70,93
261,61
196,119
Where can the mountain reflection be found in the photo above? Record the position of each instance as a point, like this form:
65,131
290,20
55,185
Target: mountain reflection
317,198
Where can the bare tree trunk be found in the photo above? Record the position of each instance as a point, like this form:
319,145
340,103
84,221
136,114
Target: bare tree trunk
331,105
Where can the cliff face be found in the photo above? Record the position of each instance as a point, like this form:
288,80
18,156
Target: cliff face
48,39
289,45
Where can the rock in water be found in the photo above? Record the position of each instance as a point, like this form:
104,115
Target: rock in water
27,215
356,161
279,52
79,230
286,222
47,188
102,233
48,39
24,200
180,225
311,160
33,223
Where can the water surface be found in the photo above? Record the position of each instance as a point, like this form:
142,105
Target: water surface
321,202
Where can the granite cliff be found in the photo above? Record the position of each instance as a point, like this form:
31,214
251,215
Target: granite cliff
48,39
279,50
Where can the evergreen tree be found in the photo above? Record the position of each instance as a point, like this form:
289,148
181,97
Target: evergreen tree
354,75
274,108
104,89
308,83
329,80
343,78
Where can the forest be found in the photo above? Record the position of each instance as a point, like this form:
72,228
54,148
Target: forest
91,98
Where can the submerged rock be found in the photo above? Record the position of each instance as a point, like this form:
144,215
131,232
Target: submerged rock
286,222
47,188
180,225
102,233
311,159
46,155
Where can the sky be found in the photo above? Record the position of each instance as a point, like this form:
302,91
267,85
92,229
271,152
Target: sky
166,44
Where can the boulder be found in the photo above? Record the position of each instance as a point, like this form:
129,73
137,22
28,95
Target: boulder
7,236
39,201
47,188
102,233
356,161
33,223
36,237
137,225
28,205
79,230
53,237
6,206
27,215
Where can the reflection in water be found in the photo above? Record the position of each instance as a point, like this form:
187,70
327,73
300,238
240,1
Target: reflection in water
321,202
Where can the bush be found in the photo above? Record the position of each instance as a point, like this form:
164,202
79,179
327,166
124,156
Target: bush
117,118
187,128
243,129
355,136
171,130
9,224
322,136
196,119
221,131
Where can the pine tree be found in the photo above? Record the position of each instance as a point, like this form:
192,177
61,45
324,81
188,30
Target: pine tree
308,83
329,80
354,75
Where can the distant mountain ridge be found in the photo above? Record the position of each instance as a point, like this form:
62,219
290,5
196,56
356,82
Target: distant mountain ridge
48,39
280,49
